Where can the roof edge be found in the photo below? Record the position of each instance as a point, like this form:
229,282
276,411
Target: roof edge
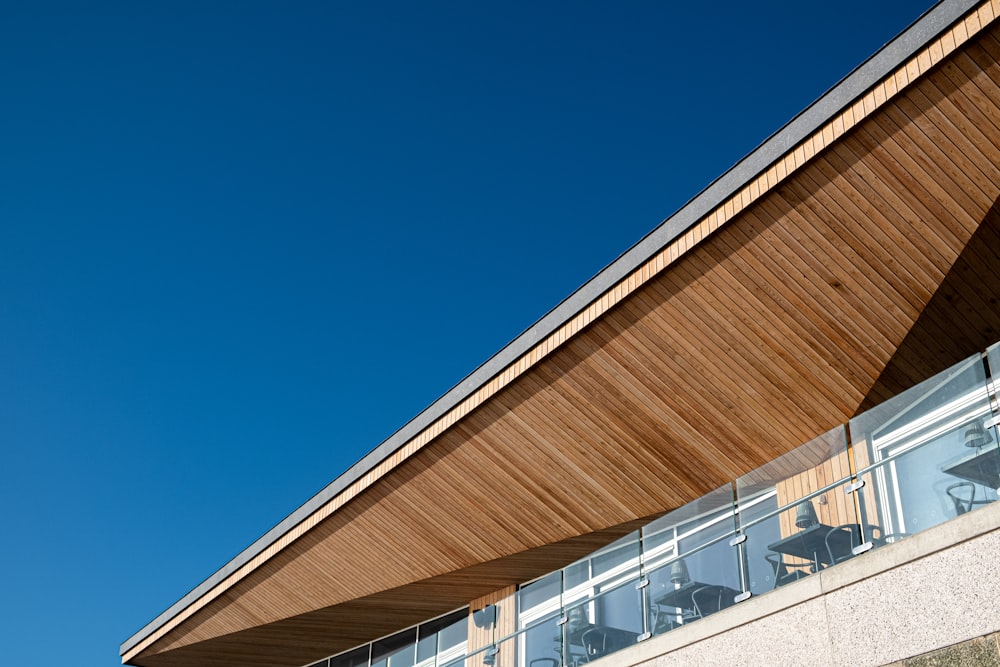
887,59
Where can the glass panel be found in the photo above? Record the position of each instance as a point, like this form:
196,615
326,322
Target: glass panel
617,557
395,651
577,573
355,658
455,634
579,619
600,626
925,456
705,578
993,358
540,645
618,611
602,569
537,646
659,543
541,595
442,634
796,515
426,646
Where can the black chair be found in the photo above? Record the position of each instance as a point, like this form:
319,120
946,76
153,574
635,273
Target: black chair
963,505
710,599
853,533
785,573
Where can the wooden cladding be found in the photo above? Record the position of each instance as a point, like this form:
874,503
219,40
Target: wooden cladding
833,508
504,615
723,354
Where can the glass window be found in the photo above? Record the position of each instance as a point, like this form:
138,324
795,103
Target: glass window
541,644
619,554
354,658
540,591
440,635
621,607
395,651
576,574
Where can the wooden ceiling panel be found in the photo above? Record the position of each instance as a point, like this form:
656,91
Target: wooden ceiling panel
961,319
823,295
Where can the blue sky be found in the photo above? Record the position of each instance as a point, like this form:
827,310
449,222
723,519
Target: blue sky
242,243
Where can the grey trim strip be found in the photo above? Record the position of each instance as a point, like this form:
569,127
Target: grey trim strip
887,59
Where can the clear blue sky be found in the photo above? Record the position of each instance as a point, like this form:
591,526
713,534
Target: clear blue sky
241,243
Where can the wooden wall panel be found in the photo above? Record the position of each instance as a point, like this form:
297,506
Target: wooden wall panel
833,508
506,618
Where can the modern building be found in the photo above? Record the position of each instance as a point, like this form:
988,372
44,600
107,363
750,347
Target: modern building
766,433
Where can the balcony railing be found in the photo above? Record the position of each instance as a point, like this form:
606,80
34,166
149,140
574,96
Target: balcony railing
922,458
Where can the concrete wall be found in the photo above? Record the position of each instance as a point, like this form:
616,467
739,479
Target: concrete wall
937,589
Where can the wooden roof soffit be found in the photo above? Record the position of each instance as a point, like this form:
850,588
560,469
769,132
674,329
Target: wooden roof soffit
817,128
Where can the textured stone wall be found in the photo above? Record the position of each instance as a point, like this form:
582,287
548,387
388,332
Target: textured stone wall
979,652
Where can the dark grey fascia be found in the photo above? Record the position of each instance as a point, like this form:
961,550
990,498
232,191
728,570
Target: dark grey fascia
929,26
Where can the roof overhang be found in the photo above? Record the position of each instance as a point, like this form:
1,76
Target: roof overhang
851,255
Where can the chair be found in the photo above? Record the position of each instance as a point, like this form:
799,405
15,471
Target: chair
543,662
663,621
595,643
963,505
577,622
785,573
853,531
710,599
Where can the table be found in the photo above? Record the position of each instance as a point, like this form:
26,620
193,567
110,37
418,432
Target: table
811,544
680,598
719,597
603,639
596,640
980,467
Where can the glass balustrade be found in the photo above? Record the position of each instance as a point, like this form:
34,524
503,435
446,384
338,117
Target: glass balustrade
928,455
795,514
690,562
925,456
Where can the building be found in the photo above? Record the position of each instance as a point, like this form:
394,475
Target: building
778,339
